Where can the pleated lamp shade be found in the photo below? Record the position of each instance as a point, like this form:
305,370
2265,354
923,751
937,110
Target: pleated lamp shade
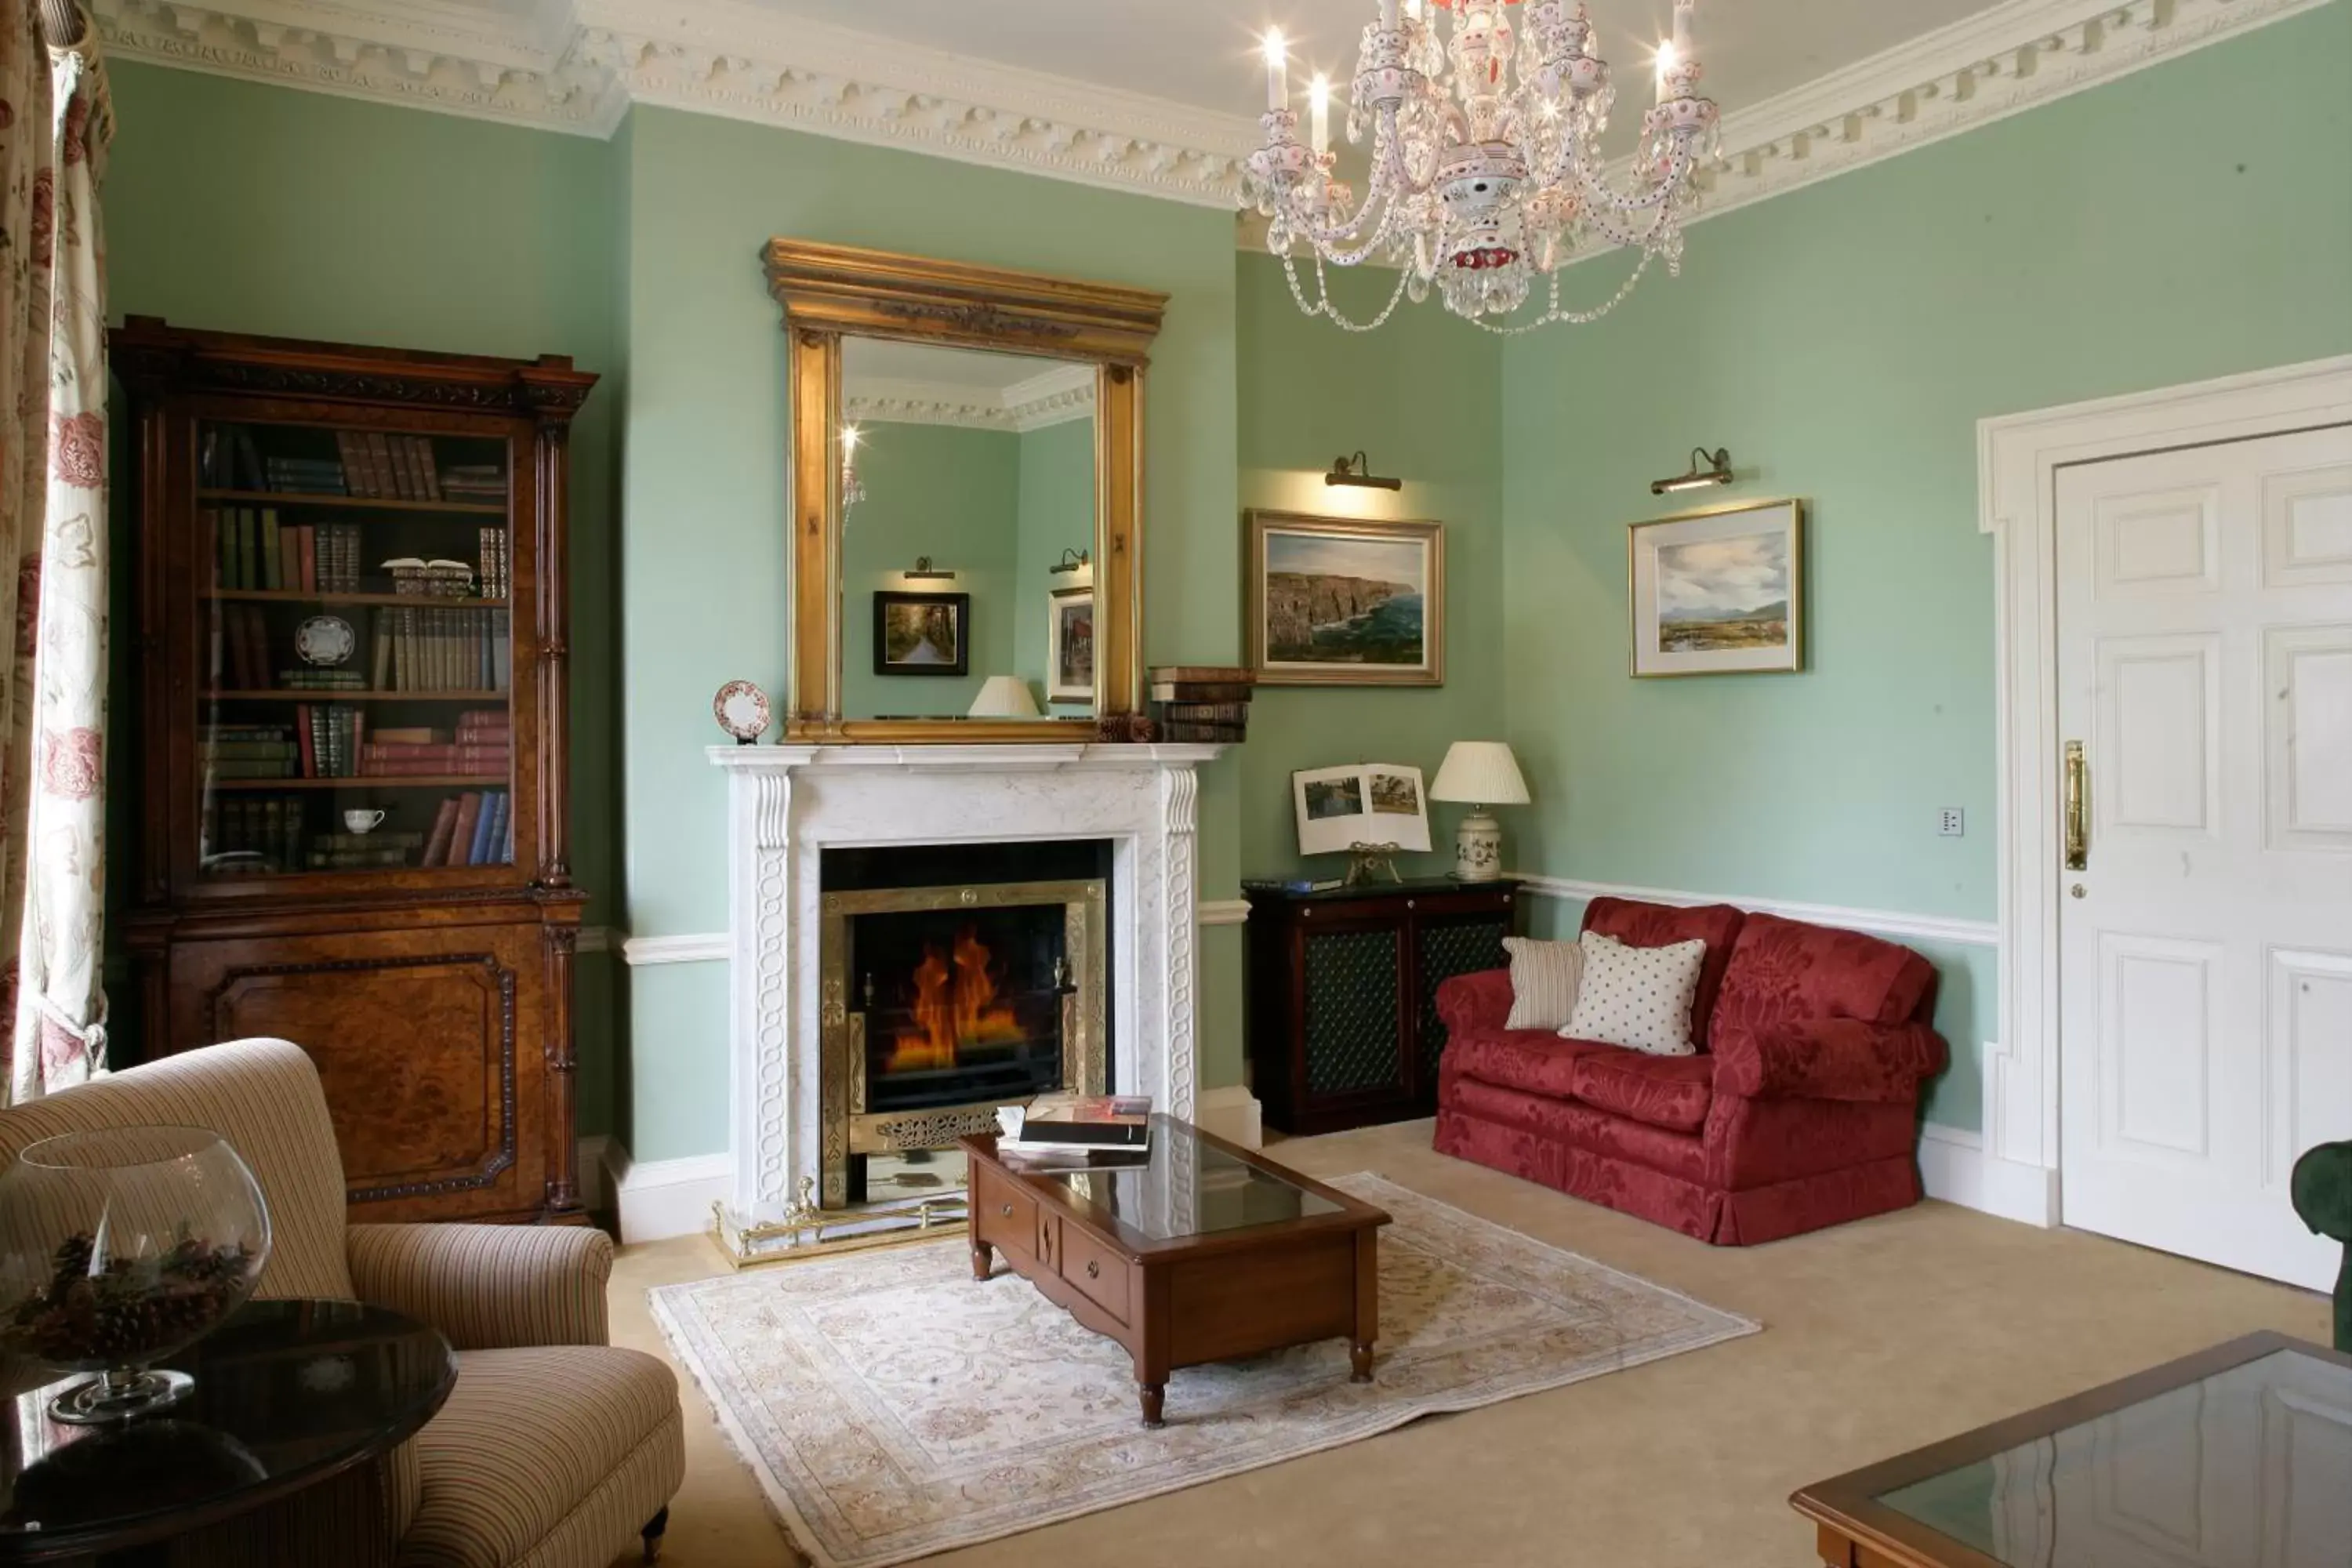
1482,773
1007,697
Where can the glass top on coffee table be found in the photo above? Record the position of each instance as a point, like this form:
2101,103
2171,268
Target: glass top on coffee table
1191,1186
2238,1458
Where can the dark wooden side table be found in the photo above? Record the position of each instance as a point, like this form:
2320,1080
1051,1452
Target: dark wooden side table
1207,1253
1342,1011
287,1394
2238,1456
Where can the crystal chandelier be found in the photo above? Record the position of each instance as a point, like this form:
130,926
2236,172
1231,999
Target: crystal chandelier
1480,182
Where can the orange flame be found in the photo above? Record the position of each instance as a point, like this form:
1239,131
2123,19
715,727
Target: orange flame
955,1004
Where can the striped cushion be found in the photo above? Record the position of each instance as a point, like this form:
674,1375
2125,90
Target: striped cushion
488,1286
263,1097
545,1457
1544,976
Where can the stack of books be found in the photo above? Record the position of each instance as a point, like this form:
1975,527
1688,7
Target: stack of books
304,476
1069,1131
479,482
361,851
1200,702
482,744
246,751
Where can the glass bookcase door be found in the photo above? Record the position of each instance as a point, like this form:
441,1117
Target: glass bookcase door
356,712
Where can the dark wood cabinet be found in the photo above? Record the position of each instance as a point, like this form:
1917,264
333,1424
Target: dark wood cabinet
353,827
1342,1010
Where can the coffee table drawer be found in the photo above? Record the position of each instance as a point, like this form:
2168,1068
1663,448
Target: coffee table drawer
1094,1271
1007,1215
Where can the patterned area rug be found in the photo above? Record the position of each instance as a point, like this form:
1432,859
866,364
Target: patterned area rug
892,1406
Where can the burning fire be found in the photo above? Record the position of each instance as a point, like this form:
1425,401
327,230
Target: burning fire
955,1004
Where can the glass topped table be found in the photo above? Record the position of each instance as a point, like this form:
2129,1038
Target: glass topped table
2239,1456
1203,1251
287,1394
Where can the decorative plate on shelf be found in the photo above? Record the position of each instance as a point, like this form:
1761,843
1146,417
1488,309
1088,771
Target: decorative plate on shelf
325,640
741,709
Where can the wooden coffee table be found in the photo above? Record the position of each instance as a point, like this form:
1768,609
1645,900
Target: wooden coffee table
1207,1253
2237,1454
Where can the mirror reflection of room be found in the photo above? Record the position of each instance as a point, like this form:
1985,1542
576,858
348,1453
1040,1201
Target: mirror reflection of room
968,528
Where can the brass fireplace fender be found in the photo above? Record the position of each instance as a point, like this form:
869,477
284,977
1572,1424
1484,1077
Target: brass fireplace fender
845,1127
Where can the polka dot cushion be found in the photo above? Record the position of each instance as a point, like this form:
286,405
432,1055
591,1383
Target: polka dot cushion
1639,997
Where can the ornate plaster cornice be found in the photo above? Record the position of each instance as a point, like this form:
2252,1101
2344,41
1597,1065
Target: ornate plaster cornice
1056,396
576,65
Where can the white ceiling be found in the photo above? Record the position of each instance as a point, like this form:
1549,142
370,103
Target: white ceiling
1203,53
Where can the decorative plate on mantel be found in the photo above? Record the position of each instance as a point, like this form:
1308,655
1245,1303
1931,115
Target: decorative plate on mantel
741,709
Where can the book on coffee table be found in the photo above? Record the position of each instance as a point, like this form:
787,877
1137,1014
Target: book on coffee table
1075,1124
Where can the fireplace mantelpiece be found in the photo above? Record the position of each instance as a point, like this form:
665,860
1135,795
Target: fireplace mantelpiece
786,805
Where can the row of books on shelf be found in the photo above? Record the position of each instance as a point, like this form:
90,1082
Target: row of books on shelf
496,569
1202,702
257,836
251,549
425,649
371,464
332,741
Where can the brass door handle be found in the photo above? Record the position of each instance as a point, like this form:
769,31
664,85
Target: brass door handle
1094,1271
1006,1211
2077,794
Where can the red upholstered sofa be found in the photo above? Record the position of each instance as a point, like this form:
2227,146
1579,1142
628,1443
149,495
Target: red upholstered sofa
1801,1109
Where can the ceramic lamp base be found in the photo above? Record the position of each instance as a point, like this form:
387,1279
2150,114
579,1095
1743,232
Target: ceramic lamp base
1478,847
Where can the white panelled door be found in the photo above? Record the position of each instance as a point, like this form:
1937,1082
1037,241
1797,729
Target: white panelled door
2205,668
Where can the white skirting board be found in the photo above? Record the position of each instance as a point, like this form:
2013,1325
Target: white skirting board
1954,1167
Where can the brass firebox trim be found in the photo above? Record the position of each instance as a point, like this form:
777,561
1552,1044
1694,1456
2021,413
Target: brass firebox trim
846,1127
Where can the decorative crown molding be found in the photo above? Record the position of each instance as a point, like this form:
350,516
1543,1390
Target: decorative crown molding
1056,396
2012,56
576,65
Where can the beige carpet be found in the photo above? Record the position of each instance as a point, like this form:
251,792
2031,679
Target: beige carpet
893,1407
1884,1335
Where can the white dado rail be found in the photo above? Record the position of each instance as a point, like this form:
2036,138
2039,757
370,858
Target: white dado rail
786,805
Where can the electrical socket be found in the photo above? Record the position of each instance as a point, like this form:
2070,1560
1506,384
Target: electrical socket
1952,824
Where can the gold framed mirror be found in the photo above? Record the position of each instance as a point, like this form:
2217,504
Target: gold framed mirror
947,584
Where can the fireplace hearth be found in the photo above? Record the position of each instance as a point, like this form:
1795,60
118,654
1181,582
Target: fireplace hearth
945,1002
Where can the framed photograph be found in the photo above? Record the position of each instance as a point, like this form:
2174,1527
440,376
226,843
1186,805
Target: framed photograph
1070,646
1718,592
1368,803
1334,600
922,634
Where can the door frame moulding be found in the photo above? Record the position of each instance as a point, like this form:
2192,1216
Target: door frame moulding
2017,459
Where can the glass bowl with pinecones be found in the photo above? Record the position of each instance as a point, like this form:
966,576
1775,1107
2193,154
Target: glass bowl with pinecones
118,1247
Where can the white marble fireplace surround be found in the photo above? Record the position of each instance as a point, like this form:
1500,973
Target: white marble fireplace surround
787,804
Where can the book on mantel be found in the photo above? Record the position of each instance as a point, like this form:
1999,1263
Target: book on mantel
1086,1125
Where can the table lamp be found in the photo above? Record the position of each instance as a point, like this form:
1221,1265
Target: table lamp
1003,697
1479,773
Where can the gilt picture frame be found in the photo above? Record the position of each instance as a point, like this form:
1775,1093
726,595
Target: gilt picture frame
1337,601
1717,592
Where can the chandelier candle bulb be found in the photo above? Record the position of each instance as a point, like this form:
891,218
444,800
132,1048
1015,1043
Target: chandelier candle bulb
1278,75
1665,67
1318,100
1388,16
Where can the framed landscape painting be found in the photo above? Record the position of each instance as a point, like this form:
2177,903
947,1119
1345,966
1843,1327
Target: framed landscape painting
922,634
1718,592
1070,646
1333,601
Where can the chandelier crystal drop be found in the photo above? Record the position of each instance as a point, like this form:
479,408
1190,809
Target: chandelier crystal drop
1482,179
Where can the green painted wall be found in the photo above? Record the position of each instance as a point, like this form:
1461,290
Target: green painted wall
951,494
249,208
2187,221
1057,513
1422,397
703,558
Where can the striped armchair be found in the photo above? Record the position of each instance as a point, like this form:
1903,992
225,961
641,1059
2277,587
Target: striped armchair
555,1450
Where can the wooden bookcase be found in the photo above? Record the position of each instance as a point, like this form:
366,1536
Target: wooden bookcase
300,657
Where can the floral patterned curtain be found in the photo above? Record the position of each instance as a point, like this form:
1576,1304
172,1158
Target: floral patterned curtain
55,121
